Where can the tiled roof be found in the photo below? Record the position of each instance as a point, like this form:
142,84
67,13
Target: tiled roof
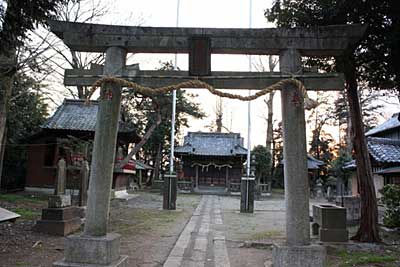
212,144
76,115
312,163
350,165
391,123
140,165
384,150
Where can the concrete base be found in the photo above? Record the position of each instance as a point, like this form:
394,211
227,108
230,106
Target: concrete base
298,256
333,235
60,228
170,191
59,221
121,262
92,251
59,201
247,194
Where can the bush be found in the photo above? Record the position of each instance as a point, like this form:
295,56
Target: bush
391,198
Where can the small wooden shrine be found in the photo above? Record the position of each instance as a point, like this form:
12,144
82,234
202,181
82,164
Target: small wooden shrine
212,159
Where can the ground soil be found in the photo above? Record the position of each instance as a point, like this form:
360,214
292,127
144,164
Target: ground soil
148,232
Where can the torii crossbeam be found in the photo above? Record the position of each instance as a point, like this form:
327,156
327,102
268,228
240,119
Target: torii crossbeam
218,79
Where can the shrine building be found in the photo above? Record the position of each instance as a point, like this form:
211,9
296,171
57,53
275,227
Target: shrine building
212,159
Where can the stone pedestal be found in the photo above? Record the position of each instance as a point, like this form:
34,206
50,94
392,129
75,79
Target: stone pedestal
298,256
352,204
59,218
59,201
331,220
169,192
247,195
83,251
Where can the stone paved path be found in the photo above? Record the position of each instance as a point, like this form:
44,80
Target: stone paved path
202,242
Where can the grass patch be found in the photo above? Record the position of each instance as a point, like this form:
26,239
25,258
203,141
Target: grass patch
15,198
27,214
350,259
140,220
278,190
265,235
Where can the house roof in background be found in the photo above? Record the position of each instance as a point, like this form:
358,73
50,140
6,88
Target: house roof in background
384,150
77,116
312,163
140,165
392,170
391,123
212,144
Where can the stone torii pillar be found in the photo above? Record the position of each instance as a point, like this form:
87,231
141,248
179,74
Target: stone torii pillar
297,251
96,247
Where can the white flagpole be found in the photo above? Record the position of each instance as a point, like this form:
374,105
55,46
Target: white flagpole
249,108
171,159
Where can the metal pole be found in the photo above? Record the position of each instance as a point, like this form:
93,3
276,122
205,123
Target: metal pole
171,159
249,108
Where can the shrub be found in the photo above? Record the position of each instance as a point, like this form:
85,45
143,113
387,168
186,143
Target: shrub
391,199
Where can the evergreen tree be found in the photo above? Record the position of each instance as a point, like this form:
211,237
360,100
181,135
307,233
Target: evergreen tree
27,111
263,163
374,61
17,18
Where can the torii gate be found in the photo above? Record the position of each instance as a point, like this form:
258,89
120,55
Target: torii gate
96,246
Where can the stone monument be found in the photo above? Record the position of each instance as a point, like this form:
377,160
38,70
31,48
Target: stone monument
169,192
60,218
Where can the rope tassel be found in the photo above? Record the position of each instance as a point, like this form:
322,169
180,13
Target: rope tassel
147,91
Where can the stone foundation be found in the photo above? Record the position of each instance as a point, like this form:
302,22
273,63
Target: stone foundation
170,191
298,256
247,194
353,209
59,221
92,251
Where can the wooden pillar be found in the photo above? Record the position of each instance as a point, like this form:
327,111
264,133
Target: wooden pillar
140,174
294,154
104,147
197,176
227,177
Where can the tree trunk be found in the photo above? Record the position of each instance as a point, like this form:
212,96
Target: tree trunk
142,142
157,163
368,230
7,71
2,151
270,130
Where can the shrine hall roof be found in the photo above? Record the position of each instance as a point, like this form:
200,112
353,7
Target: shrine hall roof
391,123
212,144
76,115
384,150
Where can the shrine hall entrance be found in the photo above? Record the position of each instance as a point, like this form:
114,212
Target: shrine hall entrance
211,159
213,176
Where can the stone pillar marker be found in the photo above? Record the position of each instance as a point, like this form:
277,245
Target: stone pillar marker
84,175
61,177
247,194
96,247
297,251
60,218
169,192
